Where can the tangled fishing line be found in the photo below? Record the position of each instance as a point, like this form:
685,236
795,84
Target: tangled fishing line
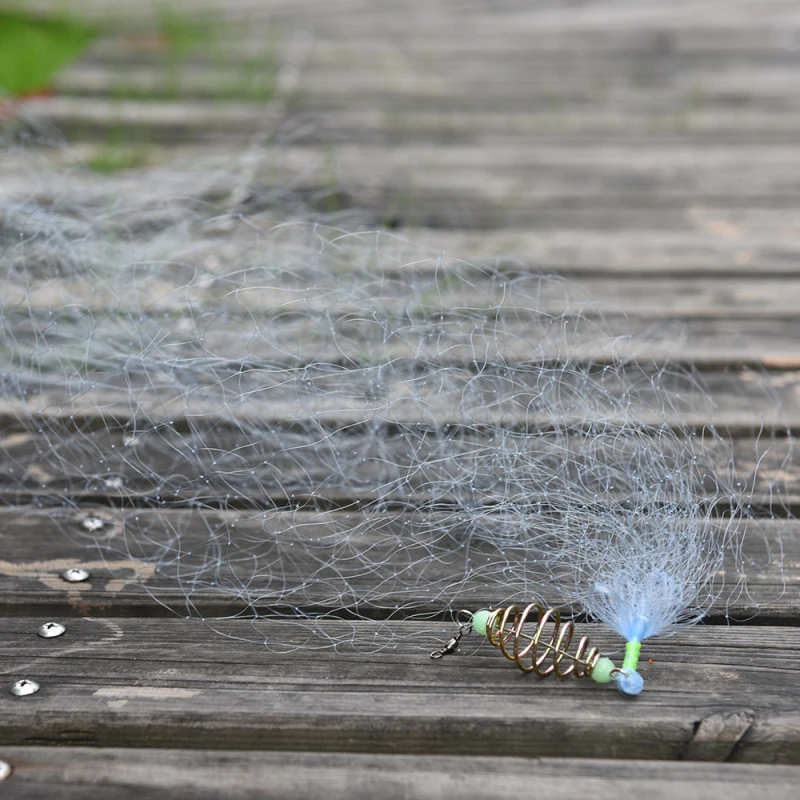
293,419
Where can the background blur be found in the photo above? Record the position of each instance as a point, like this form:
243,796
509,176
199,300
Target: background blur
605,134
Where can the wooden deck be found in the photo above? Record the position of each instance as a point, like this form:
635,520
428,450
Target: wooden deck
649,149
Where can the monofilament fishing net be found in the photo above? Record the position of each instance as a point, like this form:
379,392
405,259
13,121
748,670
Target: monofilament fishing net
293,419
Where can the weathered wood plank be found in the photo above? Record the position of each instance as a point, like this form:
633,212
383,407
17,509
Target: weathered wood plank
436,18
648,82
270,463
666,105
495,185
516,186
380,124
336,396
722,51
675,76
131,773
184,122
406,292
500,81
744,397
37,544
719,246
710,242
160,682
154,122
664,176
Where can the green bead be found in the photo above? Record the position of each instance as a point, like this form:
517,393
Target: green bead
632,650
479,620
602,670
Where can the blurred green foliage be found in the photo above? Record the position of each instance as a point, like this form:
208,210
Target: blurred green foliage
33,49
115,158
174,53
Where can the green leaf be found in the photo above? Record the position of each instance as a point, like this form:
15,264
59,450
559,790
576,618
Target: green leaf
33,50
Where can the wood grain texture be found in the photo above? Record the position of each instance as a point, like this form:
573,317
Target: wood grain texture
38,544
498,184
718,246
155,683
718,735
729,345
511,81
525,292
647,148
267,463
131,773
596,16
233,119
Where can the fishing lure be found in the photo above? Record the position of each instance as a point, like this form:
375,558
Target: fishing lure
537,640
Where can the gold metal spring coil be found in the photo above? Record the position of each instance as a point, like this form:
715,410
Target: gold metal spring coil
532,649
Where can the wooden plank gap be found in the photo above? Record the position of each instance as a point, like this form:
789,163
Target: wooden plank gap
717,736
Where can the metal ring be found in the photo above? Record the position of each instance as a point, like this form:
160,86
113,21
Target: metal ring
464,617
618,671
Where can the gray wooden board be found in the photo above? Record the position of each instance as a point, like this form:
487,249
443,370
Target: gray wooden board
524,70
520,278
510,82
540,187
158,683
742,20
37,544
513,185
619,138
185,123
661,189
637,126
717,243
718,246
707,343
506,288
133,773
659,102
220,173
337,336
658,298
263,462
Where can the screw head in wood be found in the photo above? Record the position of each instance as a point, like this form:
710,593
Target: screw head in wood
51,629
23,687
5,770
75,575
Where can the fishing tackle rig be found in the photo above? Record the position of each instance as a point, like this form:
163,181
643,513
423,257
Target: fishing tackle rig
537,640
380,428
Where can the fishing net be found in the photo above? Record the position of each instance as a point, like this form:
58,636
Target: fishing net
275,414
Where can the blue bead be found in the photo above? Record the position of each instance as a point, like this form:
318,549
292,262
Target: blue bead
631,684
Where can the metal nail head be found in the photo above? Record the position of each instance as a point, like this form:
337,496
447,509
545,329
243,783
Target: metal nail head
23,688
75,575
5,770
51,629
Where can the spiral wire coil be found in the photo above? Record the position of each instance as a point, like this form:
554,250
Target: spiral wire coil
545,649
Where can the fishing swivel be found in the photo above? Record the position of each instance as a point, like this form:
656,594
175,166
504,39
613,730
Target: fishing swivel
464,620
